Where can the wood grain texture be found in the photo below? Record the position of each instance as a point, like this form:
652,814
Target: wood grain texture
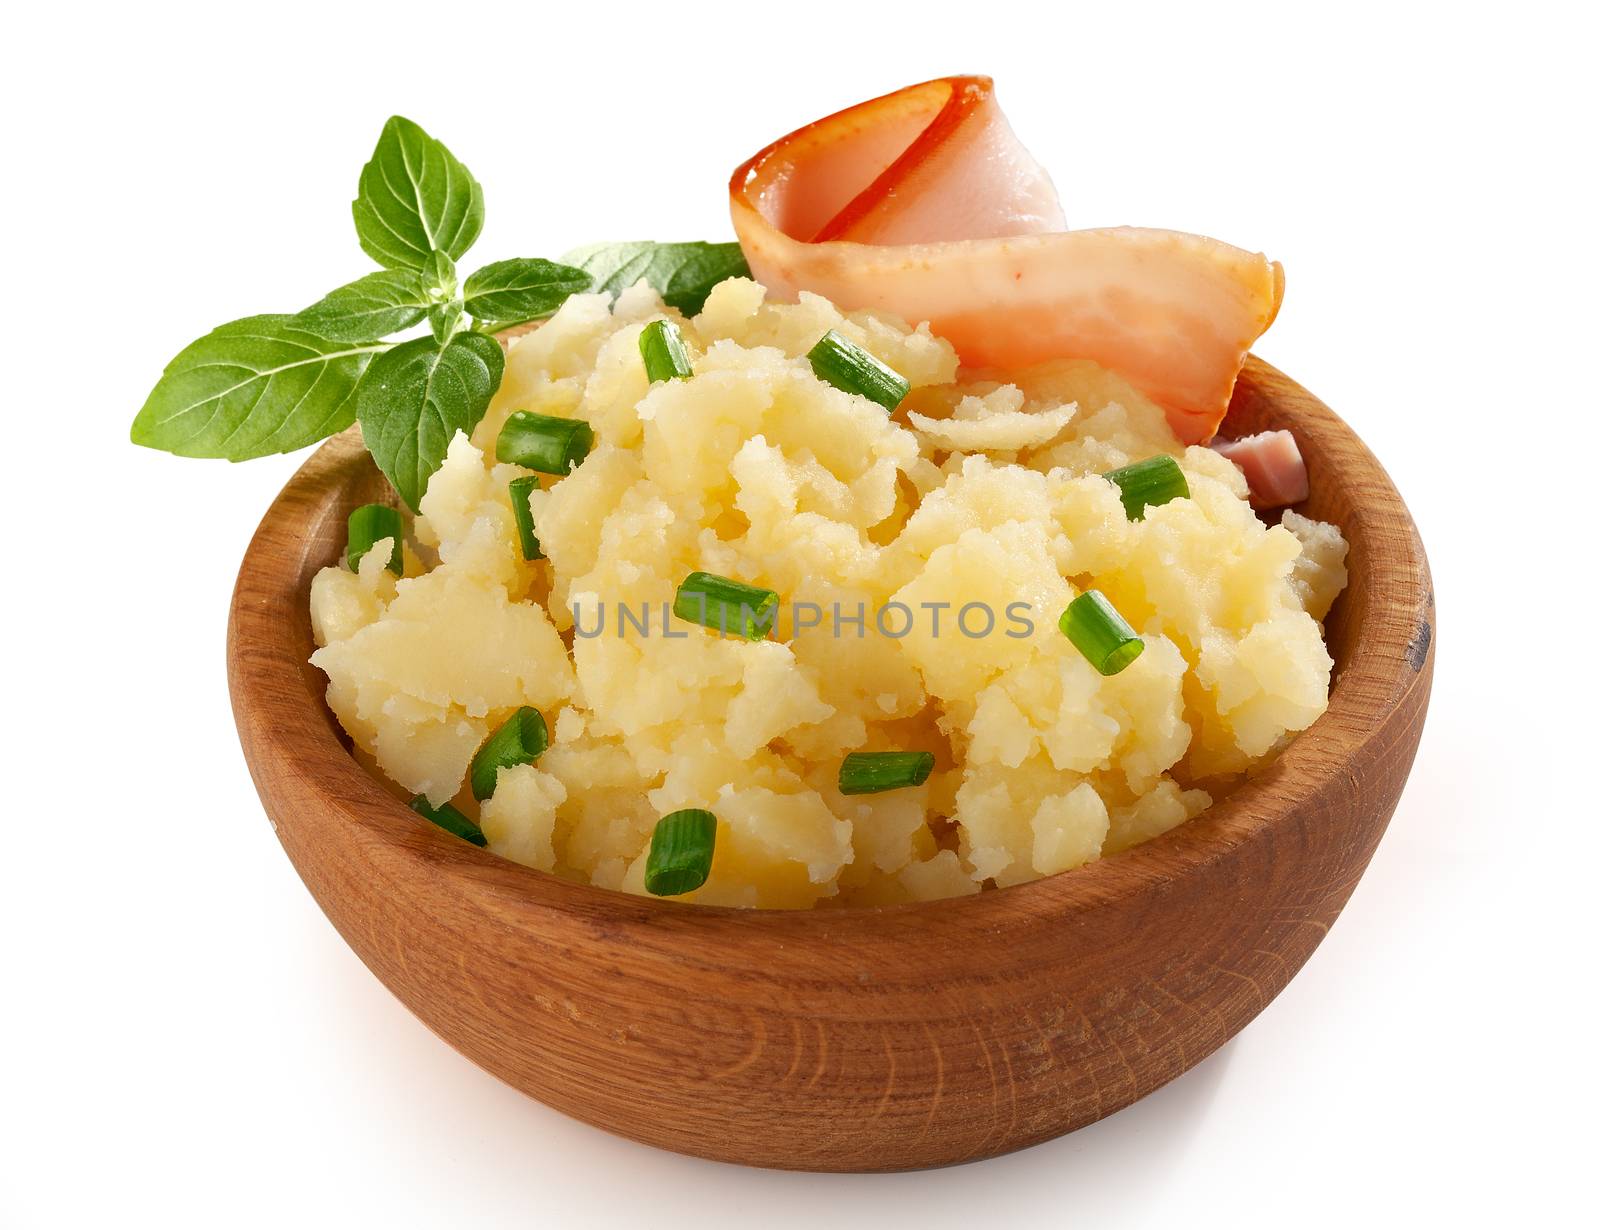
853,1039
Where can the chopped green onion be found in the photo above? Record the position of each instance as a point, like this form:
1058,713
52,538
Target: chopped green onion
521,740
846,366
661,345
731,607
368,526
540,442
680,852
1101,635
521,488
450,820
875,772
1149,484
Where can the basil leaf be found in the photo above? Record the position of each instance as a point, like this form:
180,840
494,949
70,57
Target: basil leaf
511,292
369,308
415,196
252,387
443,319
439,277
683,273
415,398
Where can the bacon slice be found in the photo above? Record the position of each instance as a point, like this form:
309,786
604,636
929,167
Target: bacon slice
923,204
1272,466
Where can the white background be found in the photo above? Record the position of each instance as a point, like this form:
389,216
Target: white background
185,1040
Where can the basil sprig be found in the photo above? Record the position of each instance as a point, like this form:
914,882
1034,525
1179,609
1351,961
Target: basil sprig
273,384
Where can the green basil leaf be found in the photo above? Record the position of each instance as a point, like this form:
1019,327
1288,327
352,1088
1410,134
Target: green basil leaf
512,292
683,273
252,387
439,277
415,196
369,308
415,398
443,319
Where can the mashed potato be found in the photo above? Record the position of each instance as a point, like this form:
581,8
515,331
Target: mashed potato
977,502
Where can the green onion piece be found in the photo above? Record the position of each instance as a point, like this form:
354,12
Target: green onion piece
731,607
1149,484
1101,635
521,740
521,488
680,852
540,442
846,366
368,526
665,358
875,772
450,820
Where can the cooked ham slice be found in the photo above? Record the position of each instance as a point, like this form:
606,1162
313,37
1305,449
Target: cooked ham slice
923,204
954,171
1272,466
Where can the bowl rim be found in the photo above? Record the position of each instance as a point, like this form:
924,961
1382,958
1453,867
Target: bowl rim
1382,663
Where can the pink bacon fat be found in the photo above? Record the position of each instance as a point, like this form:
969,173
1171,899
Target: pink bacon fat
1272,466
924,204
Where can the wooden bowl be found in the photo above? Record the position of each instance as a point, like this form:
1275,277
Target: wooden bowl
852,1039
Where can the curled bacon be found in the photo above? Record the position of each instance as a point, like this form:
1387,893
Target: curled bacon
925,205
